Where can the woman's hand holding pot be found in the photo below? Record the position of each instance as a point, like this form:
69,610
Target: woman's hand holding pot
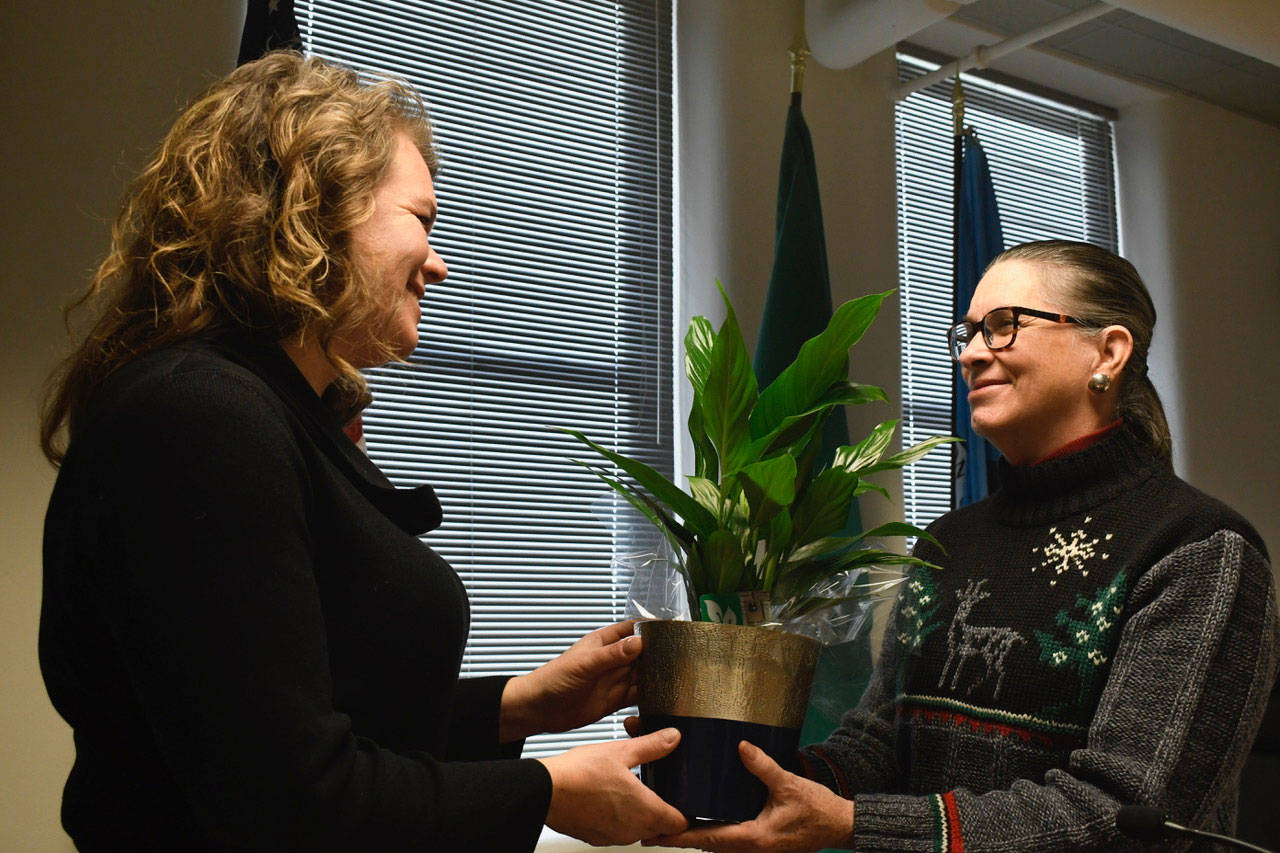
596,797
593,677
800,816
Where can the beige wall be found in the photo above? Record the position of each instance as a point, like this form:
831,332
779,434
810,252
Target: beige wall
89,86
1199,192
101,79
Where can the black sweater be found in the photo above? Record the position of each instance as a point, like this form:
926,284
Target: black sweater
1100,633
252,646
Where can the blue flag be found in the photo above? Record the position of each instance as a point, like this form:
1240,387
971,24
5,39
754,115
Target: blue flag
978,240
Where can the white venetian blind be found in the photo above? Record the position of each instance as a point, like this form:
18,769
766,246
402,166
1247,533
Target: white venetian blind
553,122
1052,166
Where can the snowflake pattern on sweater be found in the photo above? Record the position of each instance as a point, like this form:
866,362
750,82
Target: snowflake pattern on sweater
1071,553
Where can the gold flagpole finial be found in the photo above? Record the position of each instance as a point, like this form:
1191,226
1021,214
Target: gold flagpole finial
799,53
957,107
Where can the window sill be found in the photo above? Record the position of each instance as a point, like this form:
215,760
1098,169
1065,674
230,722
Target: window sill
553,842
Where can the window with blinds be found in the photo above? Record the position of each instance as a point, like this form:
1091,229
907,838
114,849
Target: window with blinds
1052,166
553,122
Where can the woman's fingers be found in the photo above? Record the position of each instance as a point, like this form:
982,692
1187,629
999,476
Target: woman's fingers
610,633
664,818
761,765
595,796
593,661
650,747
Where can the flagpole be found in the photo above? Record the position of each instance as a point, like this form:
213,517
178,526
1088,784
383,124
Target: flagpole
799,53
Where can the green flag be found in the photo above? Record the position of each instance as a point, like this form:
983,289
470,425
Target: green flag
798,306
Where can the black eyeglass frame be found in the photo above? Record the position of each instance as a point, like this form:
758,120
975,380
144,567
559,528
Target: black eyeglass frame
960,334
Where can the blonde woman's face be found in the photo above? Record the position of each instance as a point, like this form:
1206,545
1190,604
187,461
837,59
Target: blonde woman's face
393,247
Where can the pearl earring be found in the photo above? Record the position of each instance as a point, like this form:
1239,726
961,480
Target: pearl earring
1099,382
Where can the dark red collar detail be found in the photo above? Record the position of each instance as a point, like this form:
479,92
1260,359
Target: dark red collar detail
1084,441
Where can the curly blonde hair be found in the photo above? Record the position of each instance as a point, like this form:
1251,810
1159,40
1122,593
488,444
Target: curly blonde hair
241,221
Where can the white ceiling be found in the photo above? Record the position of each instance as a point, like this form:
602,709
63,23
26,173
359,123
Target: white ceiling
1226,52
1135,48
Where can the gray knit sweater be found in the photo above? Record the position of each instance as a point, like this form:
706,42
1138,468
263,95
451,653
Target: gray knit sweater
1100,633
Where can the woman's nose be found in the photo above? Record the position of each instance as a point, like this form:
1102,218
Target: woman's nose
975,349
435,269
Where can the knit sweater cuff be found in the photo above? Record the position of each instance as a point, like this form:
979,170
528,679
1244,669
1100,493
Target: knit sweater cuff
817,764
897,822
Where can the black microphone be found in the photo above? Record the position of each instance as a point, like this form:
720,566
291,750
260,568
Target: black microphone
1147,824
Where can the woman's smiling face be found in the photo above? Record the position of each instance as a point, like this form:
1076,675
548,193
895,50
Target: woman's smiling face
393,248
1033,397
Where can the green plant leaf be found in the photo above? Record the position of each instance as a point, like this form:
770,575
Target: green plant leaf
739,509
775,479
807,460
846,393
722,561
698,342
865,486
898,528
819,548
677,534
857,458
695,575
780,532
706,462
874,557
792,433
792,430
698,519
835,544
706,493
823,360
910,455
768,485
729,393
823,509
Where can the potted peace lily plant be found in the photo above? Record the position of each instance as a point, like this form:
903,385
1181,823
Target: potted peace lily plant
757,539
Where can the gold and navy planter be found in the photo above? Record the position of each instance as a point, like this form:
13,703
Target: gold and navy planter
721,684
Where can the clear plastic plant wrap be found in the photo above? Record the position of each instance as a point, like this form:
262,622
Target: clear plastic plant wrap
837,610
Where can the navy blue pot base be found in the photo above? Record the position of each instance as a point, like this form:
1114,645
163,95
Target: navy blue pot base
704,776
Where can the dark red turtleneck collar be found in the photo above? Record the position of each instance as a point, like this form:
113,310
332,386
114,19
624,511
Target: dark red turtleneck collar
1083,441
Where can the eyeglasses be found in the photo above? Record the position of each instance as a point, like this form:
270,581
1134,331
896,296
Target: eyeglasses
999,328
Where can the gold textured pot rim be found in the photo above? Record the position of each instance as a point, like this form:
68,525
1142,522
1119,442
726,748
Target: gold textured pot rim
726,672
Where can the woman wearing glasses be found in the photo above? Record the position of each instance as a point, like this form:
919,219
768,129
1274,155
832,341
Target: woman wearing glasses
1098,632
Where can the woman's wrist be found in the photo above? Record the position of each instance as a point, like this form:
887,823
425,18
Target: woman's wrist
838,819
516,717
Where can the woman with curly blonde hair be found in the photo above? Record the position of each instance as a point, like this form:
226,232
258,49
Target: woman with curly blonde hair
249,641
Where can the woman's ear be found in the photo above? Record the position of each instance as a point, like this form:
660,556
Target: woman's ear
1115,345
